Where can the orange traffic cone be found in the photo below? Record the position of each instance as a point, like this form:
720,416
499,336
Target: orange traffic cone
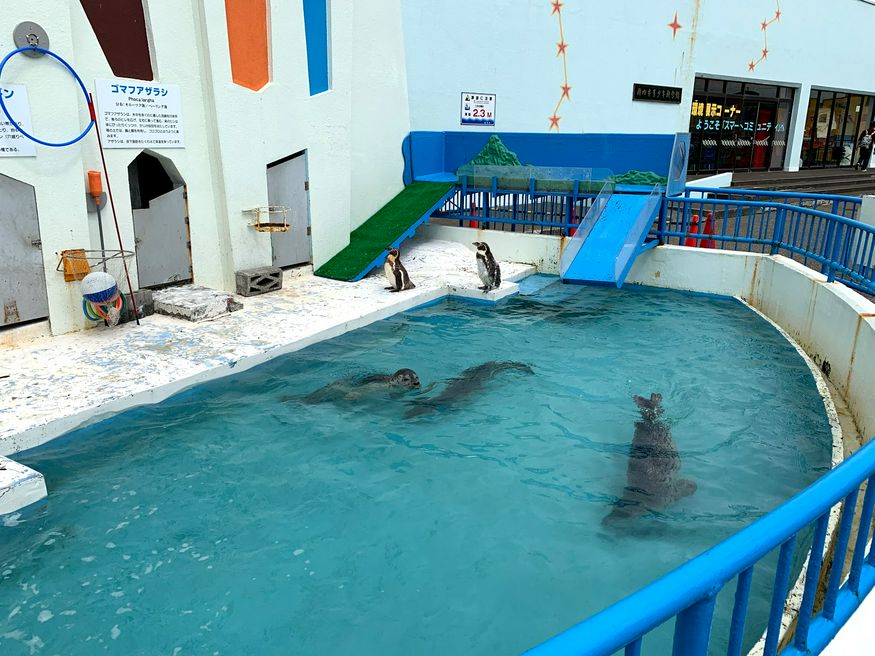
694,230
472,223
709,230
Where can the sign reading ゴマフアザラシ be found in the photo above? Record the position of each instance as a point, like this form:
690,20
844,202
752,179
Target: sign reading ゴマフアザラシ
478,108
137,114
12,142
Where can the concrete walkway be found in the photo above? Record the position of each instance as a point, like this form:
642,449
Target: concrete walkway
56,384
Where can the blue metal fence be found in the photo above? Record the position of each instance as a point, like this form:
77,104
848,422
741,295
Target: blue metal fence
839,247
688,593
846,206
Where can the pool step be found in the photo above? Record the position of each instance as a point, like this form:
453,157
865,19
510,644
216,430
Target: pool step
20,486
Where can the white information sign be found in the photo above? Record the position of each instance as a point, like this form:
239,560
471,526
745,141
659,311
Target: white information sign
12,142
478,108
137,114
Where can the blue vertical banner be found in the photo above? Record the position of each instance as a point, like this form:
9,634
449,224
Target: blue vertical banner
316,35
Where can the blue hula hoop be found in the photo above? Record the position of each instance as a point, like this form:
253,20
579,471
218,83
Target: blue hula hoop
72,72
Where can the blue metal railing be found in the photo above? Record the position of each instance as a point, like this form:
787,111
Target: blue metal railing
846,206
841,248
767,222
688,593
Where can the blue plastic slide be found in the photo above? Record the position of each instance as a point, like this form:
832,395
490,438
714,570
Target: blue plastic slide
609,238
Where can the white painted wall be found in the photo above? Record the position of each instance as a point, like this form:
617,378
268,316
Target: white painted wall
352,133
508,47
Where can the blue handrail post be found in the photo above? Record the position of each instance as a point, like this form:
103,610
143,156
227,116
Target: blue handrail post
663,211
828,269
778,234
464,198
835,206
839,233
570,206
487,201
692,628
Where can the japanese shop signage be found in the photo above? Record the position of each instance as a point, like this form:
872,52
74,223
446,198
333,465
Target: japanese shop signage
137,114
714,116
12,142
656,93
478,108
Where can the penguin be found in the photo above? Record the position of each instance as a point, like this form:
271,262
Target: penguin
487,267
396,273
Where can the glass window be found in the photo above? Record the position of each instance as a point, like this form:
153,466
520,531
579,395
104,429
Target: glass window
835,150
715,86
734,88
808,152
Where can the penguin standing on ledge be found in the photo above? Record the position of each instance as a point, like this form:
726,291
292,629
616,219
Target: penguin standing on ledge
396,273
487,267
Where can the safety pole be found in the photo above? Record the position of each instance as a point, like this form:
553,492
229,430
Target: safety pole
112,207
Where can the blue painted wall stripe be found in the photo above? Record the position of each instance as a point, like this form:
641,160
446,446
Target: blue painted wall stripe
316,33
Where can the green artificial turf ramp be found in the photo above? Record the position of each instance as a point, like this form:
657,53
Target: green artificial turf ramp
377,233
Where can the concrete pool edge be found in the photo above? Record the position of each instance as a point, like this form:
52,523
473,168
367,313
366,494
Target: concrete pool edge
21,487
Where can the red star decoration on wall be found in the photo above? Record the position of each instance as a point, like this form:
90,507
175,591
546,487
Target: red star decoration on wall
675,26
565,90
764,28
557,7
554,122
562,46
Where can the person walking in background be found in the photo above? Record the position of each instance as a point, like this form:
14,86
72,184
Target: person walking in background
867,140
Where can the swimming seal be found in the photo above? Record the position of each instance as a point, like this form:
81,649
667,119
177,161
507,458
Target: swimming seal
654,463
471,380
353,388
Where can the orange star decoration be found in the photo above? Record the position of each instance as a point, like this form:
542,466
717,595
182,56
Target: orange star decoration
561,51
675,26
764,28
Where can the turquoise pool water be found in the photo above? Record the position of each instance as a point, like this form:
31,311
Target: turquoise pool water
241,518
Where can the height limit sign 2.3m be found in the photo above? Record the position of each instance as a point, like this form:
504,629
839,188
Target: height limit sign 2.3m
478,108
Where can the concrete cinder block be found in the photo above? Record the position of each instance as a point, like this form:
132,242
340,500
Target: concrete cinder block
195,303
251,282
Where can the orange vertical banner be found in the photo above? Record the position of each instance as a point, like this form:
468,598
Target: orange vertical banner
247,41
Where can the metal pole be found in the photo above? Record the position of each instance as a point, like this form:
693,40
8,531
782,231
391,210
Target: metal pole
112,206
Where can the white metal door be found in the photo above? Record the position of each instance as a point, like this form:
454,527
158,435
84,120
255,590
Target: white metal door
161,236
22,273
287,185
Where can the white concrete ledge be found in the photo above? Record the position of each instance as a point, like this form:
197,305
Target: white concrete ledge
20,486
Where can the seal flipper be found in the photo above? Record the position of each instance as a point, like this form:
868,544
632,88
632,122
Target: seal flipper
684,488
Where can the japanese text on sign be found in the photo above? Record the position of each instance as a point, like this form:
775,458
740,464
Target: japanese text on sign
12,142
656,93
134,114
478,108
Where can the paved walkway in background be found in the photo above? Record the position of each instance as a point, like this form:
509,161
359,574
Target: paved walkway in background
57,383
